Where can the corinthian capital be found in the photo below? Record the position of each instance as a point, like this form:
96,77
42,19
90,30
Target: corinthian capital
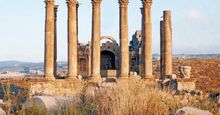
147,2
123,2
71,2
96,1
48,2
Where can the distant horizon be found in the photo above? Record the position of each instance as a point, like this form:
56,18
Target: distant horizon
195,26
66,60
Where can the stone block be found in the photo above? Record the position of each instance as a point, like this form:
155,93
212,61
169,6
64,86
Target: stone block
56,88
109,73
192,111
186,85
2,112
185,72
52,104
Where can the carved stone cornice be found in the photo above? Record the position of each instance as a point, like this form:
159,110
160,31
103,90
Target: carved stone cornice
77,4
142,10
55,11
96,1
71,3
123,2
147,2
49,2
56,7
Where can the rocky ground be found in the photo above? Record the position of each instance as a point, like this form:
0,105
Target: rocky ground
205,71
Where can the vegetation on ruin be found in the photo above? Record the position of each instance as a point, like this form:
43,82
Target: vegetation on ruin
134,98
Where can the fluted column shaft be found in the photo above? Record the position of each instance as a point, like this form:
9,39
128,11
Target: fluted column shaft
167,43
72,40
49,40
123,35
147,39
96,34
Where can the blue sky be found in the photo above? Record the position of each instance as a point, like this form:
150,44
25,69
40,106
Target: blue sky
195,26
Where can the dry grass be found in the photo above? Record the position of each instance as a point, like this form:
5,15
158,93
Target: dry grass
135,99
129,98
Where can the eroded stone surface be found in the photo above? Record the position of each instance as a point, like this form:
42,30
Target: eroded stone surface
185,72
56,88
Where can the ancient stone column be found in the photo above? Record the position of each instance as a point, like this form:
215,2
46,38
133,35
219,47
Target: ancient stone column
89,63
123,35
161,50
72,40
77,19
147,41
49,40
167,43
96,34
55,39
142,35
77,29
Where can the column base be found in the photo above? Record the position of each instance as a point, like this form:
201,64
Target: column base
147,77
49,77
149,80
72,77
95,79
123,76
123,79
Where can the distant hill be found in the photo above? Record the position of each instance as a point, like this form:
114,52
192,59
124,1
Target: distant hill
17,65
11,63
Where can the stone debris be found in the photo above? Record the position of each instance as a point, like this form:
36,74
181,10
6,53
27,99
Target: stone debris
192,111
185,72
62,74
186,85
79,77
1,101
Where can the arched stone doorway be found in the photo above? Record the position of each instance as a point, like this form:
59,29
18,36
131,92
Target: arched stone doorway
109,53
107,60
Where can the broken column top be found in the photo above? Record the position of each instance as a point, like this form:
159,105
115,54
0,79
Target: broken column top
166,13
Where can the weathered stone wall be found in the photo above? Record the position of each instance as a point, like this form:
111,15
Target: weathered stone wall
56,88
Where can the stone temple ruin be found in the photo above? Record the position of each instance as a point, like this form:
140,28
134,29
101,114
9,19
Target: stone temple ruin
110,59
109,55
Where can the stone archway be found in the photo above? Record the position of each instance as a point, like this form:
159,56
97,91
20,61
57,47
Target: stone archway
109,48
107,60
